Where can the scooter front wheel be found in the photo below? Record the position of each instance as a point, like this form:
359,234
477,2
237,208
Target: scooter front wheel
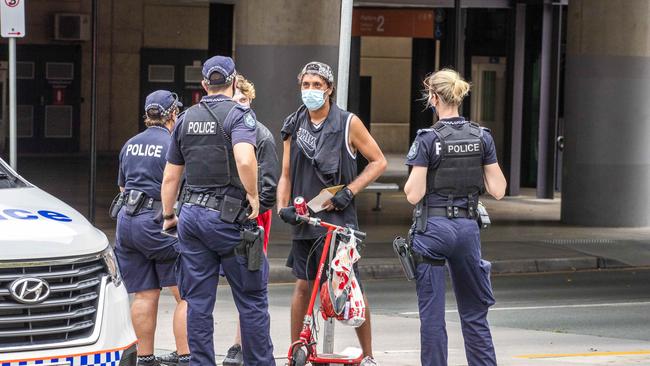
299,357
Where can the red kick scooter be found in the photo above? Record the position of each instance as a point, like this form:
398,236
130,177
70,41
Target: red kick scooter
303,352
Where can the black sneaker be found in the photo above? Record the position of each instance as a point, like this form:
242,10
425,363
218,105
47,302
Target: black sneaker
152,362
170,359
234,356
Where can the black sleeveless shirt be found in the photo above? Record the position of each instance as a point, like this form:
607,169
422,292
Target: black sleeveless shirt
320,158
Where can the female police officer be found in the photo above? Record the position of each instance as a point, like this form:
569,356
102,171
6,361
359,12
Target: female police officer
453,163
146,257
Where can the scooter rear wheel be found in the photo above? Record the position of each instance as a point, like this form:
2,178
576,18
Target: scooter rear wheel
299,357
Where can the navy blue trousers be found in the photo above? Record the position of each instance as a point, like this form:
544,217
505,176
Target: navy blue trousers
458,241
203,240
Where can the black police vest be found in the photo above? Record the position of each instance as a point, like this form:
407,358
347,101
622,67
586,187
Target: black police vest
460,169
207,149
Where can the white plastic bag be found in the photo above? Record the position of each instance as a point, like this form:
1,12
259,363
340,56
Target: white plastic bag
344,283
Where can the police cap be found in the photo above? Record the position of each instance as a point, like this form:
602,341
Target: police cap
223,66
161,103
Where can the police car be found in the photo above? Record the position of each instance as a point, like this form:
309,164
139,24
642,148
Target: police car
61,297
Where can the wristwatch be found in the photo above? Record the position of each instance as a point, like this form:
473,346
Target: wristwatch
169,216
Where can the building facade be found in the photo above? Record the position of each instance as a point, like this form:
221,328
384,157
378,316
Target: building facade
513,51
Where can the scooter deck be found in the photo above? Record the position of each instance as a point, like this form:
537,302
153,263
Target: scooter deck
325,358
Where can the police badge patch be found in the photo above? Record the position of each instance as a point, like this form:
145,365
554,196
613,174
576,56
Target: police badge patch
413,151
249,121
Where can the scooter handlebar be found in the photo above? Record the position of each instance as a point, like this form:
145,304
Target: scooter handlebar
318,222
359,234
309,220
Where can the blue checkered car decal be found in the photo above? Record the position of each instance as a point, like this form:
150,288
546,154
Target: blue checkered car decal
98,359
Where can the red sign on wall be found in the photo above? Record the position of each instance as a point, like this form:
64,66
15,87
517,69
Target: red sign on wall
59,95
413,23
12,3
196,96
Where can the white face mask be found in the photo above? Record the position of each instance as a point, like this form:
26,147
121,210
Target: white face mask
240,98
313,98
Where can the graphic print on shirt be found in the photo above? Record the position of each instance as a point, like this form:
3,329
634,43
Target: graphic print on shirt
307,142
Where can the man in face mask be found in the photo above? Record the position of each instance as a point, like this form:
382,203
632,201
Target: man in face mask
321,142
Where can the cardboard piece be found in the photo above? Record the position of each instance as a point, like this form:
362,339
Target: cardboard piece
316,203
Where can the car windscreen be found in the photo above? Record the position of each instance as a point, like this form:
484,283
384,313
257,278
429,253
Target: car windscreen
8,179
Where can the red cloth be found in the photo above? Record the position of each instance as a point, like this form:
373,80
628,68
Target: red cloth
264,220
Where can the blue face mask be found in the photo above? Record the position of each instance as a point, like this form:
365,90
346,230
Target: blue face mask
433,107
313,98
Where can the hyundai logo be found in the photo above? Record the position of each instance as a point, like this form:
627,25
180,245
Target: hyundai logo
29,290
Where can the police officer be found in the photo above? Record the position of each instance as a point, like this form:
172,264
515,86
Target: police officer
145,256
267,159
453,163
214,143
321,142
269,168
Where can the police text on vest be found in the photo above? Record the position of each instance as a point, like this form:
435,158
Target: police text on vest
202,128
144,150
463,148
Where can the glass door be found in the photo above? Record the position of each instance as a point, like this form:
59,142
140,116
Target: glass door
488,96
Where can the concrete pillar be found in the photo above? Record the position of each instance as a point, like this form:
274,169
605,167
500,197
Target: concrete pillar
607,155
273,40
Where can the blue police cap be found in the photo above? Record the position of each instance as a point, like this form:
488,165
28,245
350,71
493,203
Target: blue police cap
223,65
161,102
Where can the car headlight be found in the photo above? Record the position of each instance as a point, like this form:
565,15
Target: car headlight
111,264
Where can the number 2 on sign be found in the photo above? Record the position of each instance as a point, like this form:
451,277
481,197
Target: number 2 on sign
11,3
380,23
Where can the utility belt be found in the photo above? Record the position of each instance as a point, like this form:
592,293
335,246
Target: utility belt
451,212
251,246
134,202
410,260
479,214
421,213
232,209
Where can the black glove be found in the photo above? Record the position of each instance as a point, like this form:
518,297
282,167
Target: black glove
288,215
342,198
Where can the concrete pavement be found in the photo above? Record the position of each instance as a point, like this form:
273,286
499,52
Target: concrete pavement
526,237
584,318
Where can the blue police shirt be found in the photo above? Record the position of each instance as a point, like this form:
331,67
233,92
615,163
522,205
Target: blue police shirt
425,152
234,125
142,161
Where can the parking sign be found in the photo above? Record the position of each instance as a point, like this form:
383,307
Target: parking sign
12,18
